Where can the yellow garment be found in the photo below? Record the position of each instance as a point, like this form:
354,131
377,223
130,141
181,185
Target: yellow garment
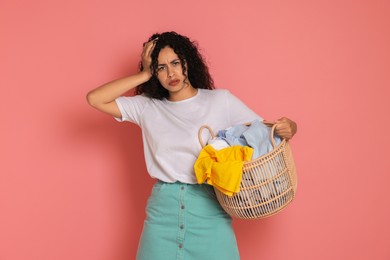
222,168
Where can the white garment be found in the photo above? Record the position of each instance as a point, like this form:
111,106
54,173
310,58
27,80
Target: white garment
170,129
218,144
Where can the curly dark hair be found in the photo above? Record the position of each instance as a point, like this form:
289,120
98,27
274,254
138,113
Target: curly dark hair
187,51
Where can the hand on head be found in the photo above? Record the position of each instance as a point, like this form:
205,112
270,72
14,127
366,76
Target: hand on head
147,55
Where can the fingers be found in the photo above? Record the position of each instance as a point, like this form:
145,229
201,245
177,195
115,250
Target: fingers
285,128
284,133
146,54
148,48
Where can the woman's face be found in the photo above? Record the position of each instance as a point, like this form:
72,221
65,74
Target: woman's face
170,72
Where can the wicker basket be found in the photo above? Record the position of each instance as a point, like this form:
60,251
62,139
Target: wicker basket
268,183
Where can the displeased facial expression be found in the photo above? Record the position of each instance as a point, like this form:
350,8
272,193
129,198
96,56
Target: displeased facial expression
170,71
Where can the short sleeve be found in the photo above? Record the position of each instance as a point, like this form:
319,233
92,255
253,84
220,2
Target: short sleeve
239,113
131,108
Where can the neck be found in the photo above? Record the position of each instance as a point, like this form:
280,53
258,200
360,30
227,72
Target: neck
186,93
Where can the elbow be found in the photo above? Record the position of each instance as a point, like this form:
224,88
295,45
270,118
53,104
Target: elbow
91,99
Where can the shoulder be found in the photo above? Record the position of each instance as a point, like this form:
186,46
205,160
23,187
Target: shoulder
216,93
134,103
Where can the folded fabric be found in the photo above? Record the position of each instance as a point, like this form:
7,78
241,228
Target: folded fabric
222,168
256,135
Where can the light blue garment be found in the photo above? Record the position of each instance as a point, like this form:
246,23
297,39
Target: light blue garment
257,136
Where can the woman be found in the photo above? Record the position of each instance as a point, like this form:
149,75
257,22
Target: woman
175,96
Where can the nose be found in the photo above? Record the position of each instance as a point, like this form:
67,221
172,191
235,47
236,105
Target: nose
170,72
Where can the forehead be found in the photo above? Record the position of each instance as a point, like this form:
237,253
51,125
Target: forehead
167,54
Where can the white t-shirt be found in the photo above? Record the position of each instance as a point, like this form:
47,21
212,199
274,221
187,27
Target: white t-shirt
170,129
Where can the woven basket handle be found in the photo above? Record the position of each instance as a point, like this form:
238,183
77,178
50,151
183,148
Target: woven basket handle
272,135
213,135
200,134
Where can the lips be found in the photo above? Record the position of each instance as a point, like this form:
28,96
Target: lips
173,82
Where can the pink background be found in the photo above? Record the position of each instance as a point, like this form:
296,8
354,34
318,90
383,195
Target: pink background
73,183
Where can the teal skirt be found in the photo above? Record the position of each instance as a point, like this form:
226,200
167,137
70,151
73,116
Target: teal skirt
186,222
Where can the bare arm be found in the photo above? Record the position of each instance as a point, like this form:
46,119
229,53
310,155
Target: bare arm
103,98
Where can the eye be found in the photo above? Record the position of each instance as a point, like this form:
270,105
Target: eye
175,63
160,68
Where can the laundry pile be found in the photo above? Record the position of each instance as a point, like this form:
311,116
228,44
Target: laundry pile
220,163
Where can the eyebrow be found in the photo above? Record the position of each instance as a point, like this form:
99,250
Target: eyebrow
163,64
